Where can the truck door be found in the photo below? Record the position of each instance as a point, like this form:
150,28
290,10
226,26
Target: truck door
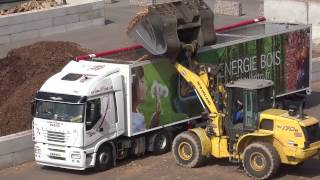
100,118
250,110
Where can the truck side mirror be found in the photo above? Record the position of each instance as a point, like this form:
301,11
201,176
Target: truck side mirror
93,114
33,107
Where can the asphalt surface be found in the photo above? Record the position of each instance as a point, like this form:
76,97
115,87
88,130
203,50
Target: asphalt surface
151,167
163,167
113,35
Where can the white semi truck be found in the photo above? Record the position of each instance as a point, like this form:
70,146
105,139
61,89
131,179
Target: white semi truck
95,112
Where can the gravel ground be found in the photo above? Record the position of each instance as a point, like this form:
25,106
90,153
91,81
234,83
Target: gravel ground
150,167
163,167
155,167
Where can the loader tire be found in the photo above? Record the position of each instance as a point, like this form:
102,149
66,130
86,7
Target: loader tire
261,160
187,150
293,167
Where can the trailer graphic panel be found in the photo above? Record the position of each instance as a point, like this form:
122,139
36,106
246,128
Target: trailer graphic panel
160,96
155,97
283,58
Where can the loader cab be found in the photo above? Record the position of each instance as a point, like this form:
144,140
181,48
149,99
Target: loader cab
246,98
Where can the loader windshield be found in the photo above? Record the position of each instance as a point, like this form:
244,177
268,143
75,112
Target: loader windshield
264,98
59,111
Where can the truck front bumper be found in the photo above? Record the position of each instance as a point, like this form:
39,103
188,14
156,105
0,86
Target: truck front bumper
62,156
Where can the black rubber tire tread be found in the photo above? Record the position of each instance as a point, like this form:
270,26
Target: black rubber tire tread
292,167
272,158
197,158
102,167
158,150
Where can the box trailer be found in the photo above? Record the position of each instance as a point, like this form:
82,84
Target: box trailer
97,111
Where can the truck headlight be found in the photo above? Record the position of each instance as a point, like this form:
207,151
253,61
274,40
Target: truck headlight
75,156
37,150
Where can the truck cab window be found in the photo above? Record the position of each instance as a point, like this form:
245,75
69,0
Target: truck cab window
93,113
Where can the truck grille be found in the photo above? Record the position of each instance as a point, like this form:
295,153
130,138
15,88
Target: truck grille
57,158
56,136
312,133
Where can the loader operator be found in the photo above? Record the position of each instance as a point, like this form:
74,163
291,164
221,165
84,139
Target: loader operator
238,114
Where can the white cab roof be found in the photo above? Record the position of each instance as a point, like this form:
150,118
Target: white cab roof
78,78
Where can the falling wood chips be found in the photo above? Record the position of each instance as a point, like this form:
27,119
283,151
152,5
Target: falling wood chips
164,9
30,5
134,20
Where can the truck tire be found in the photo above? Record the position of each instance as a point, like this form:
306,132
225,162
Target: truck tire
104,159
261,160
187,150
162,142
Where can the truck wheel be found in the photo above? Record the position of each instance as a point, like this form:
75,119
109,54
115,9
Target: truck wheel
187,150
162,142
261,160
104,159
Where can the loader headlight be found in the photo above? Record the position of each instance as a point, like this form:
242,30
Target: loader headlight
75,156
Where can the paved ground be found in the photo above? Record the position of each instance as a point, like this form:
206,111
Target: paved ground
155,167
149,167
113,35
164,168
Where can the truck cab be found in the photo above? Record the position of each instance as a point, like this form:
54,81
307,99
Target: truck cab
76,111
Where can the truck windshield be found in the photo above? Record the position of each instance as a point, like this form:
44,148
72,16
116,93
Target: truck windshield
265,98
59,111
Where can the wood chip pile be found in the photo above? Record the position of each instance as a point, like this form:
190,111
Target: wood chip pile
30,5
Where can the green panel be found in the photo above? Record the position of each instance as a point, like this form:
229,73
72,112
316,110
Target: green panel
281,58
165,98
162,103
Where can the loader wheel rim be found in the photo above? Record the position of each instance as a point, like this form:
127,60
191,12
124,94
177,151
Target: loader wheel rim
185,151
258,161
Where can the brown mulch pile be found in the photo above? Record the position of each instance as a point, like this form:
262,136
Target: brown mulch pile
22,73
30,5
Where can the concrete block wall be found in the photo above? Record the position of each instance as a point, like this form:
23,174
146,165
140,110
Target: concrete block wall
16,149
148,2
230,8
316,69
301,12
220,7
295,11
40,23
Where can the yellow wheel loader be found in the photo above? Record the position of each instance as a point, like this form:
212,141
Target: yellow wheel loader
242,124
265,138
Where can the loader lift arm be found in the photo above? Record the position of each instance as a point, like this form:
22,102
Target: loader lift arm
215,118
199,86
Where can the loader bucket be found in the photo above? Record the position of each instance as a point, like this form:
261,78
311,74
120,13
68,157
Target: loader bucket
164,28
147,32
